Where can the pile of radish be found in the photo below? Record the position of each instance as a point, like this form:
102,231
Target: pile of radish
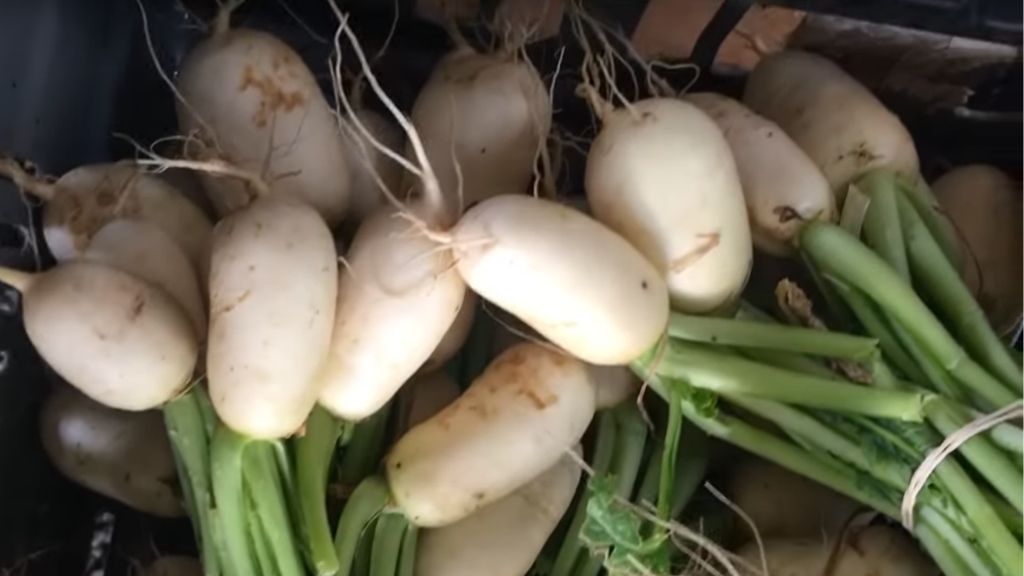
488,381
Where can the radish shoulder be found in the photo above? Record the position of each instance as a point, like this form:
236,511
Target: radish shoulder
516,420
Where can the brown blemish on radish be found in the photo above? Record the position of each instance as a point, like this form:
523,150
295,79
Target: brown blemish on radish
273,98
708,243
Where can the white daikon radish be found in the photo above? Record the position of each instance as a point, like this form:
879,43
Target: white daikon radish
120,340
661,174
613,384
871,551
782,187
87,198
253,103
516,420
425,395
456,335
490,114
782,504
397,282
122,455
273,284
985,205
143,250
566,275
838,122
503,538
365,160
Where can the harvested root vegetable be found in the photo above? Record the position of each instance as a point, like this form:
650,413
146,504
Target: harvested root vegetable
505,537
143,250
118,339
87,198
397,282
661,174
870,551
273,284
365,161
516,420
456,335
488,113
782,187
424,396
122,455
254,104
569,277
782,504
174,566
985,205
838,122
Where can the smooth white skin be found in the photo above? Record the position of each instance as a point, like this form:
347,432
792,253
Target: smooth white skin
838,122
143,250
871,551
397,282
613,384
782,186
665,180
425,395
89,197
364,162
456,335
273,285
783,504
122,455
566,275
516,420
492,113
175,566
503,538
118,339
985,205
269,117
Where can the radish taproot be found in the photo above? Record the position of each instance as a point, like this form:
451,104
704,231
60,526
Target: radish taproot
85,199
576,282
118,339
465,140
273,284
396,281
985,204
838,122
782,187
505,537
252,102
143,250
516,420
661,174
122,455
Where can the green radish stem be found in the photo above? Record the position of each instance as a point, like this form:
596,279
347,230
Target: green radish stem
407,557
206,410
732,375
364,505
259,542
854,212
363,452
940,280
882,231
229,494
263,481
954,555
752,334
604,449
669,453
387,543
190,444
838,254
313,452
931,213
